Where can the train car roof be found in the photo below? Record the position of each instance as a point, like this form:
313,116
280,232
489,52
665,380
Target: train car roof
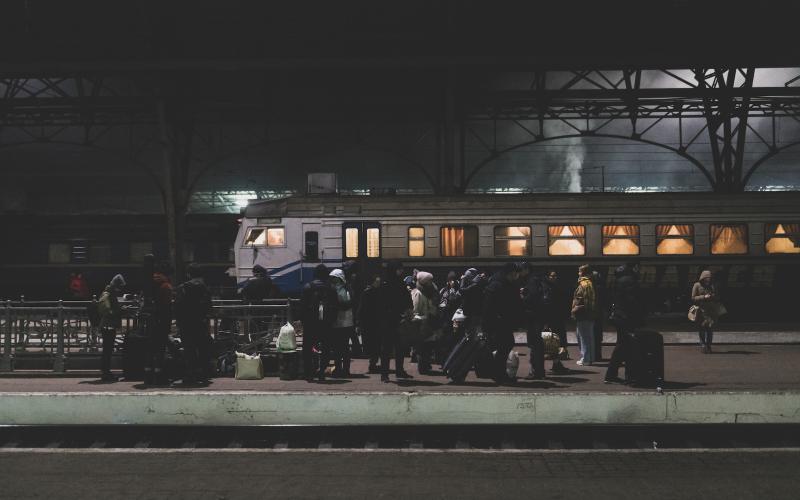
520,204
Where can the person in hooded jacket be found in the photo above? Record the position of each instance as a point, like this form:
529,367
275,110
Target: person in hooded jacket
626,314
192,307
259,287
319,311
584,305
343,327
109,311
369,321
501,310
473,283
397,308
424,298
705,296
158,334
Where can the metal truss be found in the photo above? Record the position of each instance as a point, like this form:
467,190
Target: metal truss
630,104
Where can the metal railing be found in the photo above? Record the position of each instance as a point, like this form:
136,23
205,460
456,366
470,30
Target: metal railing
61,329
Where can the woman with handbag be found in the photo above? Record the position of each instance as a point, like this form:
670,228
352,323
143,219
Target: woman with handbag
709,308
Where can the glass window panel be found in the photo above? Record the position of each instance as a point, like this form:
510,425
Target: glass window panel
59,253
621,240
459,241
675,239
373,242
351,242
416,242
566,240
728,239
275,237
255,236
783,238
512,241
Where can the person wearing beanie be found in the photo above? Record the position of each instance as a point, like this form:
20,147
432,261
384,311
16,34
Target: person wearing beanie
705,296
109,311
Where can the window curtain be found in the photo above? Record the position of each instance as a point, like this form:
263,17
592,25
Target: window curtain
577,231
632,231
681,230
728,239
791,231
452,241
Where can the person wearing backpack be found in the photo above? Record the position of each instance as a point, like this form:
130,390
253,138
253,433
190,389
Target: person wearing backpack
319,311
192,306
109,312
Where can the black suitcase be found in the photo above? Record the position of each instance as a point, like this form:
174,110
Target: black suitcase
463,357
644,363
134,348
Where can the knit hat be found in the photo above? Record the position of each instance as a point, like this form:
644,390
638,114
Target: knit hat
424,278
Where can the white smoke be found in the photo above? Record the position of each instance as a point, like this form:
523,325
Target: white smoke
574,165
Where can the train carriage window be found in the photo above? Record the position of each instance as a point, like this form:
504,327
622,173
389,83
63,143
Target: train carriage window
621,240
459,241
512,241
782,238
373,242
728,239
675,239
566,240
351,242
265,237
312,246
59,253
416,241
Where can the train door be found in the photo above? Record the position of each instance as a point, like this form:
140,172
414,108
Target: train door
312,250
361,243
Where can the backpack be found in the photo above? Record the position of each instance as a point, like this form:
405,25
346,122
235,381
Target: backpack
321,306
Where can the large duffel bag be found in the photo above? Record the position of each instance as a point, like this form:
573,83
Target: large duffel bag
463,357
644,360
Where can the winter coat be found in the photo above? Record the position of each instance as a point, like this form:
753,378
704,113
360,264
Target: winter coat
709,307
396,301
163,296
472,295
344,316
501,305
316,293
257,289
584,302
192,302
626,307
370,310
108,308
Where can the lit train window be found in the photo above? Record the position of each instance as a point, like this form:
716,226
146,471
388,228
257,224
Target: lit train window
265,237
373,242
416,242
512,240
675,239
566,240
621,240
351,242
459,241
728,239
782,238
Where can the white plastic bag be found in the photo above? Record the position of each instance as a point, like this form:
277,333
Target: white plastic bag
249,367
551,345
512,364
287,341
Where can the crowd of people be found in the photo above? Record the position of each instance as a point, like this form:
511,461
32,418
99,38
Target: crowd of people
399,313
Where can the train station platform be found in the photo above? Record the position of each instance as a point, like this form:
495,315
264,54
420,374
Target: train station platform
736,384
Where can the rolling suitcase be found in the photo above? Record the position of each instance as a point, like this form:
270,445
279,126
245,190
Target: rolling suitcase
463,357
644,363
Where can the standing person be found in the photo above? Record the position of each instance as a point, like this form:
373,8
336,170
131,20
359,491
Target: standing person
78,288
449,302
598,282
424,298
473,284
554,309
319,311
109,311
343,328
158,334
704,295
257,288
626,314
192,307
531,295
369,322
500,310
583,310
397,307
356,287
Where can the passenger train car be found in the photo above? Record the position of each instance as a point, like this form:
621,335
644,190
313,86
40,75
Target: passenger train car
751,240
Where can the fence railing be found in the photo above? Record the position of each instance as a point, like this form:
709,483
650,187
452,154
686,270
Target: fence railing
60,329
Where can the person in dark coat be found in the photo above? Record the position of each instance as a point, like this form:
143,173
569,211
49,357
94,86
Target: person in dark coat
449,302
369,314
397,307
158,334
473,284
501,310
531,295
259,287
355,283
554,310
598,280
109,312
319,311
192,307
626,314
